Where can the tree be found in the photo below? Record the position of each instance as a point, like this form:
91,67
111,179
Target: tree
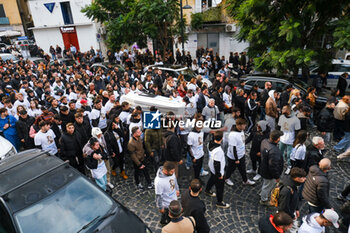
283,34
133,21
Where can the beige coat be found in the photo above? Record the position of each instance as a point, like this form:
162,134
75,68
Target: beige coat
184,226
340,110
271,108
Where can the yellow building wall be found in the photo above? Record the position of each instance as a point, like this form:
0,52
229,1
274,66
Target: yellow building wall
187,13
11,11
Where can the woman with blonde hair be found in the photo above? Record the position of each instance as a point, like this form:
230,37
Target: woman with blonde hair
295,93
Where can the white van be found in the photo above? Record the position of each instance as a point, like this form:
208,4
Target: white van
338,67
7,149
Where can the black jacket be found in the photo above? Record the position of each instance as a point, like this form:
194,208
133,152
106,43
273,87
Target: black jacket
256,138
316,188
195,207
84,130
93,163
264,95
271,166
251,108
325,122
219,100
284,98
312,157
66,119
71,148
111,140
265,225
23,127
201,102
341,86
239,102
173,147
288,199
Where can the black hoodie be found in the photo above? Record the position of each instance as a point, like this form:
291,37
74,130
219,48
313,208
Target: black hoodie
289,199
173,147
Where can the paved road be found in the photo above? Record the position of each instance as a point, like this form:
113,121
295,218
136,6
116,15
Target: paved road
245,210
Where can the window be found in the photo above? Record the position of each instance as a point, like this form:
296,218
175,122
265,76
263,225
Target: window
2,11
66,13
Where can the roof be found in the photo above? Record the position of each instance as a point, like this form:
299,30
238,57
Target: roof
19,169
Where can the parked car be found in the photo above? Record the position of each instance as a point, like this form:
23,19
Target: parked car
338,67
175,71
36,60
7,149
280,84
40,193
8,56
65,61
104,66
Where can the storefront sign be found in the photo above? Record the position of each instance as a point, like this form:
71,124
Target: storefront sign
67,29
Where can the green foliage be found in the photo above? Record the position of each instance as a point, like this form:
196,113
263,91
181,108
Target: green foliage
136,20
212,15
196,21
283,34
342,34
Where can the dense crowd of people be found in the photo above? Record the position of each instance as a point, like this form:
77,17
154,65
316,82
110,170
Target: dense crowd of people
78,114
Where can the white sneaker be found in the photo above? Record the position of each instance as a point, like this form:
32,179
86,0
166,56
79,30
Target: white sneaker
204,173
110,185
249,182
287,171
187,167
257,177
229,182
251,171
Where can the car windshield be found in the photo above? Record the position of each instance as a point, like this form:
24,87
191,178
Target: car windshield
67,210
9,57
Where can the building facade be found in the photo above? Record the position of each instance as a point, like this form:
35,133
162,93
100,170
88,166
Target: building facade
10,17
217,32
62,23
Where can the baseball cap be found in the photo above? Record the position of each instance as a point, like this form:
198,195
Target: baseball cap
8,87
83,101
331,216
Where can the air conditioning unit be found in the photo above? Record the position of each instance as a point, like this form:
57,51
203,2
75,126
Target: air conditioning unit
230,28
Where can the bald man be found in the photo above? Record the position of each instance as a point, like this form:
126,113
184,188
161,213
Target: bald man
316,188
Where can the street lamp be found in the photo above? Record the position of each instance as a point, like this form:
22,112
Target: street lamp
186,7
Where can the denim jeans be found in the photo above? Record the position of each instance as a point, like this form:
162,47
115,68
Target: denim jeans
344,143
262,113
286,150
102,182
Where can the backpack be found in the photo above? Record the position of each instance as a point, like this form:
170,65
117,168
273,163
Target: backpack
275,194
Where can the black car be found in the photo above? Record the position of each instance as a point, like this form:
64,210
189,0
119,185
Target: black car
40,193
279,83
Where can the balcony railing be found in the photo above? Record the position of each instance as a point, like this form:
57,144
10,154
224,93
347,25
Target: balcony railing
4,20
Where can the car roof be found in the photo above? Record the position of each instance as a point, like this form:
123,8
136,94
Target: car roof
19,169
167,67
265,78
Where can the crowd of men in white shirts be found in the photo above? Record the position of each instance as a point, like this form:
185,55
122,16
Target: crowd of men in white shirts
79,114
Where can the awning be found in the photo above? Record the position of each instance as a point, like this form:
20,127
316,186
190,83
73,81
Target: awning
10,33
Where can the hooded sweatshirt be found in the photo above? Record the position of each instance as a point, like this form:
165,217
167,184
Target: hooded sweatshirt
165,189
310,225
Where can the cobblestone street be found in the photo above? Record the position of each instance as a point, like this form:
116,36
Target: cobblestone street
245,211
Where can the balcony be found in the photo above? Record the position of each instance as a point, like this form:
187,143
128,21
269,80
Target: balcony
4,20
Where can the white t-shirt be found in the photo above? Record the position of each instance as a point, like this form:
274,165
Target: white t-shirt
166,186
229,122
100,171
236,139
288,127
195,141
123,116
298,152
227,99
108,106
46,141
102,124
217,155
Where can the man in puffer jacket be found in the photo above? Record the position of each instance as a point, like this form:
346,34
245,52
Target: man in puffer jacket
316,188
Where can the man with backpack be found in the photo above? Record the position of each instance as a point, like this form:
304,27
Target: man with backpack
288,200
271,166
